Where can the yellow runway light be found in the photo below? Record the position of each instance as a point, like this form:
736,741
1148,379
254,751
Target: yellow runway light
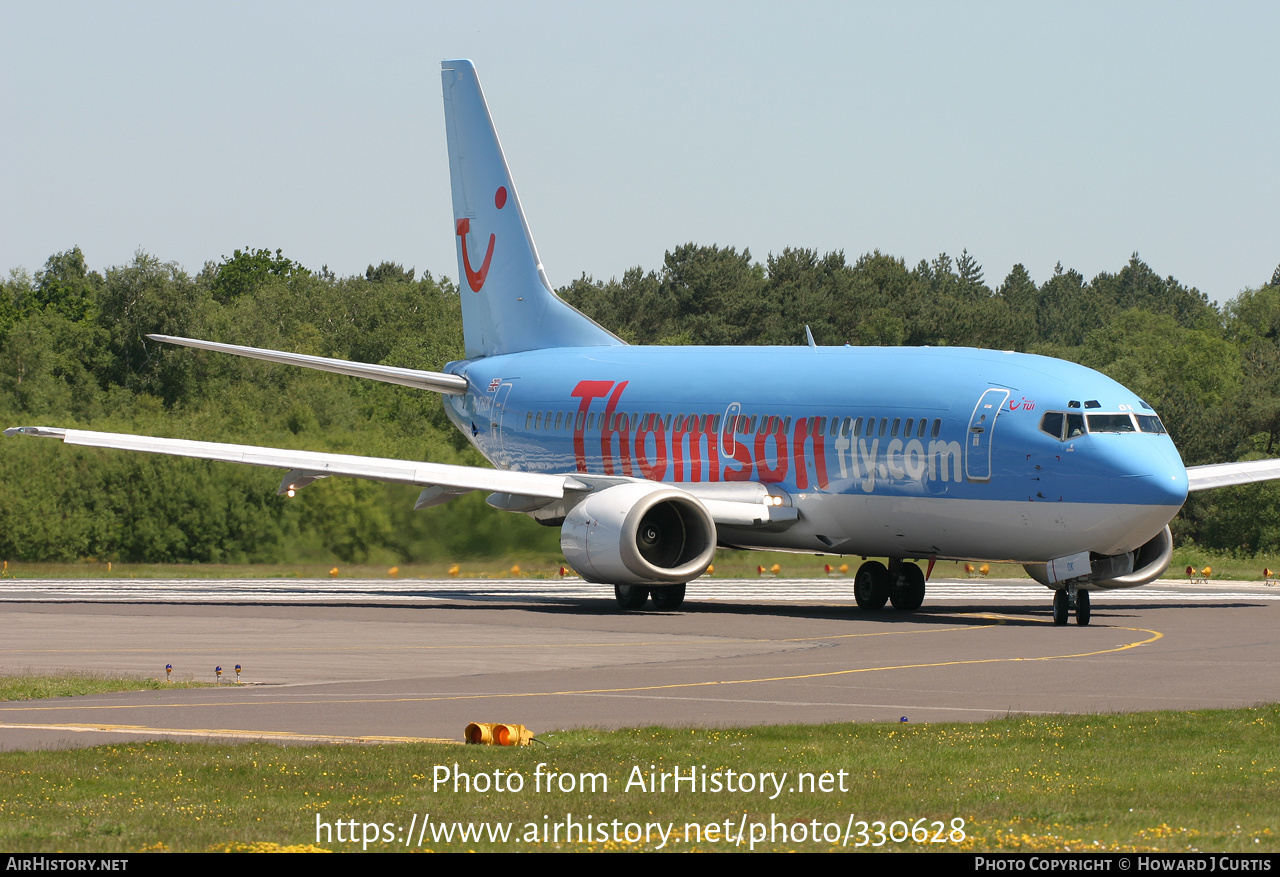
497,734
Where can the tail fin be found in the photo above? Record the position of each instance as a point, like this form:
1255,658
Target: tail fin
507,303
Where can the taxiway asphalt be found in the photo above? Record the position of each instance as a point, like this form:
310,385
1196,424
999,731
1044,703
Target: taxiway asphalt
396,659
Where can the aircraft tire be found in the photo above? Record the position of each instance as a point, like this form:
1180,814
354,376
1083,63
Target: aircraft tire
668,597
871,586
630,596
1082,608
909,594
1060,599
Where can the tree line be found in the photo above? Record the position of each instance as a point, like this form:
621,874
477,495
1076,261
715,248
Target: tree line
74,352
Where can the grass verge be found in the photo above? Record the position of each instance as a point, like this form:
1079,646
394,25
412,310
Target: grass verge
728,564
33,686
1165,781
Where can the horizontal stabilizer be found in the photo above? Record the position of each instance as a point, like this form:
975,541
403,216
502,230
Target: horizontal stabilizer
1228,474
436,382
455,479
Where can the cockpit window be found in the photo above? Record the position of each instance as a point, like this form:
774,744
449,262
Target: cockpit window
1052,423
1150,423
1063,427
1110,423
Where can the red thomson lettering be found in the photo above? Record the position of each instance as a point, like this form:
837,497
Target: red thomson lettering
656,470
585,390
771,475
692,430
806,429
611,429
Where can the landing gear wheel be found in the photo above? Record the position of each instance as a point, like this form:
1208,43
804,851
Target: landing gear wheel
667,598
871,586
1060,600
1082,608
908,593
630,596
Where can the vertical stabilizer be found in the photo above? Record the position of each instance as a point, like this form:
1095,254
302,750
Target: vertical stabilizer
507,303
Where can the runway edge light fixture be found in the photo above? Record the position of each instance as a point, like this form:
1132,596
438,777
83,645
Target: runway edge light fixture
497,734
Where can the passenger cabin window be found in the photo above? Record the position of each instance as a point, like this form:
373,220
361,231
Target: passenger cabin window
920,429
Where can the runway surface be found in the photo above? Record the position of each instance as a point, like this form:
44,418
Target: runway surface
410,659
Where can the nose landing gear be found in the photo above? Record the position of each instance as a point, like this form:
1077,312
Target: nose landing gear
1067,599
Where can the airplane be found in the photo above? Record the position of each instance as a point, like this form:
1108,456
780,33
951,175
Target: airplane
648,458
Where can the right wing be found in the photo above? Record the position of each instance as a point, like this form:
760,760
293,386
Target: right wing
1228,474
437,382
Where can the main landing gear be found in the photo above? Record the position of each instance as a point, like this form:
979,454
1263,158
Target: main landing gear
1067,599
900,583
666,598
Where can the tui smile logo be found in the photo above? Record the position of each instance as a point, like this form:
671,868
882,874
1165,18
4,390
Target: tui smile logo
475,279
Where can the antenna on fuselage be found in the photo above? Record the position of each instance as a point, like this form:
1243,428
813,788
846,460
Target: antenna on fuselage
809,335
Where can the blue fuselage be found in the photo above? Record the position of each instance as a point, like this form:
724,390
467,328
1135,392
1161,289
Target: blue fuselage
949,452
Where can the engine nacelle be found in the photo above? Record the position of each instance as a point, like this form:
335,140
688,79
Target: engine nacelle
1140,567
639,534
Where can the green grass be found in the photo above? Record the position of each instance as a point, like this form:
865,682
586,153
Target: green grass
1205,780
728,564
33,686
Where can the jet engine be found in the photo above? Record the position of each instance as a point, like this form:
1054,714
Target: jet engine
1128,570
639,534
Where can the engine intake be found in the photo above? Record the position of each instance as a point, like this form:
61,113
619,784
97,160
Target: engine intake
639,534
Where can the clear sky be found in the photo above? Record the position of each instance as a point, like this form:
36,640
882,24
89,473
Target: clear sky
1024,132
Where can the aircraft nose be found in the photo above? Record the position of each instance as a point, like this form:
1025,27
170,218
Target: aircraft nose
1154,475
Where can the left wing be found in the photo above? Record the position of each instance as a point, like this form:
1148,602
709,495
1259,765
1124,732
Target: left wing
1228,474
446,480
739,505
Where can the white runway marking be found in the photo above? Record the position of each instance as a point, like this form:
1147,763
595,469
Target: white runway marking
419,591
